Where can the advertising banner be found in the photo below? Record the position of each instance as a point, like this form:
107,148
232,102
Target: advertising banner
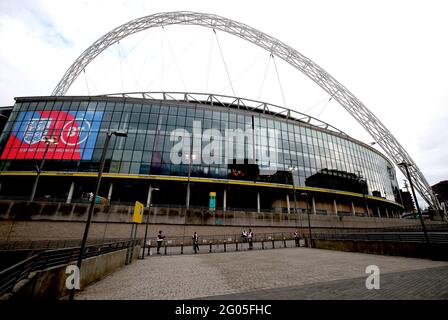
75,131
212,201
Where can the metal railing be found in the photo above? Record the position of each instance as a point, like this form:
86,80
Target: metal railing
409,228
414,237
228,238
50,258
51,243
222,243
235,242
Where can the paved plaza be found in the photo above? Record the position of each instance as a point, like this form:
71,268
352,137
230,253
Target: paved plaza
287,273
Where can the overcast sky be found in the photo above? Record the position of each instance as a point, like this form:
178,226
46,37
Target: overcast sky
393,55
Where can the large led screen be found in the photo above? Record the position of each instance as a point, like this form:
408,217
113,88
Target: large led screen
75,131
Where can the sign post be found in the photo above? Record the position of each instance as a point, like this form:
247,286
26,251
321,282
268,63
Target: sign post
136,219
138,212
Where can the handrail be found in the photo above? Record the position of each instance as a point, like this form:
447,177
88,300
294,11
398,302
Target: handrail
51,258
48,244
439,238
64,243
227,238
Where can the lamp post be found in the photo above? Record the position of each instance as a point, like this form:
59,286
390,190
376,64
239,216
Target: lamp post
406,165
147,220
190,157
117,133
308,214
293,169
48,141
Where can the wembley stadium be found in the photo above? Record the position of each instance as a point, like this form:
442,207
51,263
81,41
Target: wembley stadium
196,161
338,174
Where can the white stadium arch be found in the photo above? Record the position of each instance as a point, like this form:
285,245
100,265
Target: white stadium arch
346,99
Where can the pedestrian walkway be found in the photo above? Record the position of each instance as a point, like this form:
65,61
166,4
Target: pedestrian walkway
425,284
290,273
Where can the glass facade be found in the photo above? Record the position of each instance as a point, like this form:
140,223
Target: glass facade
146,149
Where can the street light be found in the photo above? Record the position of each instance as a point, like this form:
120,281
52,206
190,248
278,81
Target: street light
293,169
48,141
190,157
406,165
118,133
308,214
147,220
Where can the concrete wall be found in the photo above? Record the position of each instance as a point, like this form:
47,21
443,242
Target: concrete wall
39,221
50,283
407,249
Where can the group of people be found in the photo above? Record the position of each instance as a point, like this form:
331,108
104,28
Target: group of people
161,237
248,236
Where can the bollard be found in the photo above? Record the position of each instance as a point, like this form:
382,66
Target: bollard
165,248
262,244
181,248
236,245
273,245
225,246
284,242
210,250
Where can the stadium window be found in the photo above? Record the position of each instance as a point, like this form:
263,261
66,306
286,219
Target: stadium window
190,112
65,106
135,117
110,106
127,156
143,118
180,121
124,167
182,112
129,142
208,114
137,108
171,121
199,113
163,110
139,142
117,154
147,156
189,122
116,116
216,115
224,116
137,156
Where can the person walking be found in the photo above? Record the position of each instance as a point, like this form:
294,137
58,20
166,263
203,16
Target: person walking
250,236
160,238
297,238
195,239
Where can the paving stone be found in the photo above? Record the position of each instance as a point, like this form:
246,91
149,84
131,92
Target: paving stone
288,273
